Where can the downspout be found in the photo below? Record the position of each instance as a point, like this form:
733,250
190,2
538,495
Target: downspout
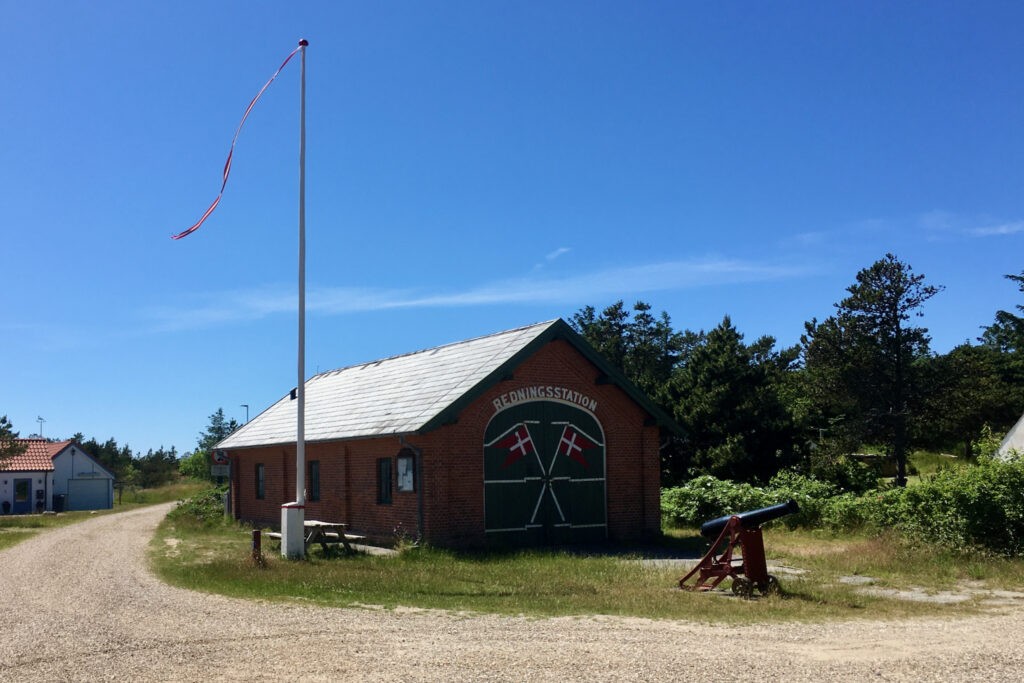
347,463
643,483
419,484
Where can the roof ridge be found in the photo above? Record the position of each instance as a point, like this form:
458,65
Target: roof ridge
545,323
43,439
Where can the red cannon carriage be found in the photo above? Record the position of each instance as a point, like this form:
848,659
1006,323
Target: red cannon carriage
741,531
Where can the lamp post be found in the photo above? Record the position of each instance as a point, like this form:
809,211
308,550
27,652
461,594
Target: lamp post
246,406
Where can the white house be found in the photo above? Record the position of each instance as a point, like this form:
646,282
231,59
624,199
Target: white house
54,476
1013,441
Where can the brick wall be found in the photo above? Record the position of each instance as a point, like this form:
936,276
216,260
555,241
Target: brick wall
452,466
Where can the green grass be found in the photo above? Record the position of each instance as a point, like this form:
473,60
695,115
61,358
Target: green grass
929,462
16,528
539,583
923,464
9,537
178,490
892,560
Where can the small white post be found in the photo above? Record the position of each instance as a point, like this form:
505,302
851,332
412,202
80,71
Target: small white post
293,533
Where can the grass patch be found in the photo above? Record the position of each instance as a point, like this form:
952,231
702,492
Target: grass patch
40,522
892,560
924,464
540,583
16,528
9,537
164,494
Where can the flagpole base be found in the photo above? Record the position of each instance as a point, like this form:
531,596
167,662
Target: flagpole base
293,531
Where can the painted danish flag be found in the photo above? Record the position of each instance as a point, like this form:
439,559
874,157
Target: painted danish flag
572,444
519,444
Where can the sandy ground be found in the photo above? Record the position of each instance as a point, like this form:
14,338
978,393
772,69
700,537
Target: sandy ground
80,605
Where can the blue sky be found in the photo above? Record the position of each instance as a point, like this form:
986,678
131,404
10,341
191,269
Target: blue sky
473,167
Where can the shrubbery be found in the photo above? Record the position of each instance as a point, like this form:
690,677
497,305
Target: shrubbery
204,509
981,506
977,506
706,497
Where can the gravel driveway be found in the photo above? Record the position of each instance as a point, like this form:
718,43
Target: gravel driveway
80,604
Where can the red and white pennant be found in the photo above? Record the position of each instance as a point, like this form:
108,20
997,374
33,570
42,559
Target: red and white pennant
234,140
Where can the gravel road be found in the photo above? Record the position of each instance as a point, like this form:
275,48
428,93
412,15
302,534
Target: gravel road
80,605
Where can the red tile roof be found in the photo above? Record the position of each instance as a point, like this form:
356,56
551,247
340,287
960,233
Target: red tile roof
37,457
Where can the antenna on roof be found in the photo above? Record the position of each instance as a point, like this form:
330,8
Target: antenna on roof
40,421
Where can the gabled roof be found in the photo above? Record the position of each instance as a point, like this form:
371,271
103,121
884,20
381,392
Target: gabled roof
416,392
37,457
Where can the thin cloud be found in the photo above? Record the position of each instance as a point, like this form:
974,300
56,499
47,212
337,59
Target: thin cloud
949,224
242,306
550,257
1001,229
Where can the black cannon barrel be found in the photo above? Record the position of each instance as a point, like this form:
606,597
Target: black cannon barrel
750,519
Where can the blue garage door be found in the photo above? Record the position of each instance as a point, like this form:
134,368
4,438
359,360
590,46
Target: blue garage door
88,494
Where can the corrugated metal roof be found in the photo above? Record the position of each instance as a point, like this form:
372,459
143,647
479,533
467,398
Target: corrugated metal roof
396,395
37,457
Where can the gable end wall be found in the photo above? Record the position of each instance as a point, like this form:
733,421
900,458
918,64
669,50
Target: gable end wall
452,467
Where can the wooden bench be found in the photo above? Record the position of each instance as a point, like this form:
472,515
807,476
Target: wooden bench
316,533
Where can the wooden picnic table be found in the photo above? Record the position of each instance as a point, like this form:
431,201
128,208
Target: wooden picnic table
325,533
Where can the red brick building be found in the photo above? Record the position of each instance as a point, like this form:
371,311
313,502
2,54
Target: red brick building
526,437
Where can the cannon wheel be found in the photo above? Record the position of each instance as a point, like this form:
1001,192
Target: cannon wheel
770,586
743,587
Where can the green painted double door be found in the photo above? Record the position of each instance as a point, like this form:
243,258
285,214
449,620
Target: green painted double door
544,476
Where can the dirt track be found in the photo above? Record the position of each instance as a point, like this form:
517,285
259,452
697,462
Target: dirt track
81,605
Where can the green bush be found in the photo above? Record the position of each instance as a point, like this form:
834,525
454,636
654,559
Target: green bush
810,494
706,497
980,506
876,510
204,509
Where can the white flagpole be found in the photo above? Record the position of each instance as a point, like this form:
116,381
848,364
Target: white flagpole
293,515
300,438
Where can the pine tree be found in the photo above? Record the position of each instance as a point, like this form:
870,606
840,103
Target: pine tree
9,447
862,363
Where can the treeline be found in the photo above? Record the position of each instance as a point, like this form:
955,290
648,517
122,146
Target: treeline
161,466
864,377
155,468
134,470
